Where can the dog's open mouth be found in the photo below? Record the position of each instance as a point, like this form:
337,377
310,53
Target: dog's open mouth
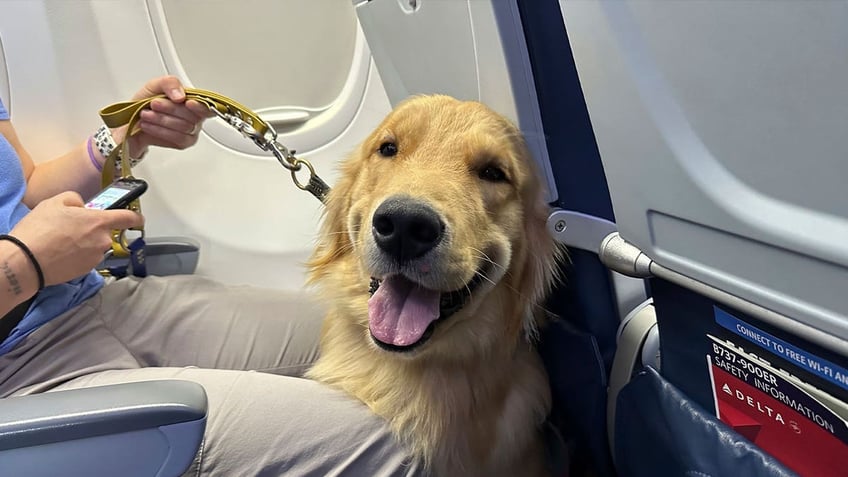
402,314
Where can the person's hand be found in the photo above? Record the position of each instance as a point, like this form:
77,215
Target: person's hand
172,122
67,239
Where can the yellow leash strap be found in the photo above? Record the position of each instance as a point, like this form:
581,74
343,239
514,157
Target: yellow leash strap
118,114
120,247
233,113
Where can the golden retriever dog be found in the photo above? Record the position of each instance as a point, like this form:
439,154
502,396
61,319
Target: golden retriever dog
435,258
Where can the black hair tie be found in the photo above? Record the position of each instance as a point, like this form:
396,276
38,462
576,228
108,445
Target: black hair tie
29,255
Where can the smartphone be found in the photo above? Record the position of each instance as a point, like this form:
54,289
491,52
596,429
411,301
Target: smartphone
118,195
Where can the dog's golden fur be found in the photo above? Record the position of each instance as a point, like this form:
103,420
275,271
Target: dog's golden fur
473,398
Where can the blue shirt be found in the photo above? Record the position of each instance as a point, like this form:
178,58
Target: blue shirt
54,300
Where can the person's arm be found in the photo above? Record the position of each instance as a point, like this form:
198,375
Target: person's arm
72,171
66,240
172,123
19,281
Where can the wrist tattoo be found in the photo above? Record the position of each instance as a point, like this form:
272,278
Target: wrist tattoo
14,284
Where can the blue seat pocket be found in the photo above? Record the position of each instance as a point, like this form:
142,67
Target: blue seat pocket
659,431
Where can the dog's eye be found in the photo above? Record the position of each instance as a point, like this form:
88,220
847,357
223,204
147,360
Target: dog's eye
388,149
492,174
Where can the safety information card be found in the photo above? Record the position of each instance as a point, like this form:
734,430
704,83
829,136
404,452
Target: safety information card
803,427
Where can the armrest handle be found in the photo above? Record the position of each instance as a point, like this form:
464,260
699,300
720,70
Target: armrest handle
81,413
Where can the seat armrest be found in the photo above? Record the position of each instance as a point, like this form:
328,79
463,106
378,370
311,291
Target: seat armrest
145,428
163,256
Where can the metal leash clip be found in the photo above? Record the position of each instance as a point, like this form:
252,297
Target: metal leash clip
267,141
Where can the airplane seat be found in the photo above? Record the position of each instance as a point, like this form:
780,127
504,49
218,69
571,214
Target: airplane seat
142,429
163,256
578,349
738,364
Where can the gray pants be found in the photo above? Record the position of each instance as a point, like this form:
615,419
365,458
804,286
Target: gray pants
247,347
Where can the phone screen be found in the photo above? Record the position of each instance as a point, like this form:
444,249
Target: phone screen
107,197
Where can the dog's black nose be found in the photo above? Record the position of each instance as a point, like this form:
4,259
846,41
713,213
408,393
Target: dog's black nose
405,228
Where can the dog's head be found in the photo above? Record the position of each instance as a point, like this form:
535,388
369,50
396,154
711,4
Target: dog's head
434,237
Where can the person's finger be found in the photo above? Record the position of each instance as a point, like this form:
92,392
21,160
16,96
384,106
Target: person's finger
168,121
201,110
158,135
120,219
169,85
71,199
163,106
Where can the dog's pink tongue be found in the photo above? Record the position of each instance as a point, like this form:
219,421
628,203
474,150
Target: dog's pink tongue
400,311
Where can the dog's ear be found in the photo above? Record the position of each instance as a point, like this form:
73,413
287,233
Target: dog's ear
538,254
541,268
333,237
